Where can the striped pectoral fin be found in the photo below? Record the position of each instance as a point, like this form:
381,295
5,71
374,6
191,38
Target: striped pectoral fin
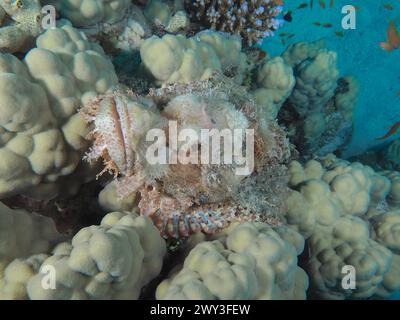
184,228
194,225
207,222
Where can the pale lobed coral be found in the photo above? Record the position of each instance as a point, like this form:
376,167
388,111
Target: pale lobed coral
316,81
300,51
20,24
125,35
167,15
347,215
109,199
346,97
275,82
32,145
253,20
22,234
83,13
348,243
130,33
174,59
350,188
17,274
78,61
113,260
393,197
385,230
42,136
248,261
319,110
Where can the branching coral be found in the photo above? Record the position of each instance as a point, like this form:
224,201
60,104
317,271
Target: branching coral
22,24
253,20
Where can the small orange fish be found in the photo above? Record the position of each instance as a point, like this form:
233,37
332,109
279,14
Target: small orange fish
318,24
391,131
279,2
393,36
322,3
331,4
261,55
327,25
386,46
398,94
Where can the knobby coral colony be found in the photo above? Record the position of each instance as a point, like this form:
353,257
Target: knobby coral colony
251,229
253,20
180,198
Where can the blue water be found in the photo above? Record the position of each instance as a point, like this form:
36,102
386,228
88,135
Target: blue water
359,54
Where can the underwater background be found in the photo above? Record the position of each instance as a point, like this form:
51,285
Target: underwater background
377,70
112,185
